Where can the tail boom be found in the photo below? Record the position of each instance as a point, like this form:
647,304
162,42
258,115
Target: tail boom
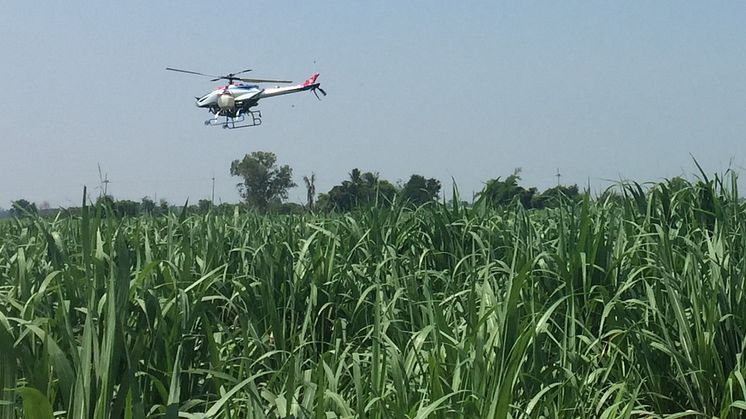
309,84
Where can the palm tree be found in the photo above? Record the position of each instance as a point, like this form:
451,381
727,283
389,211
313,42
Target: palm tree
311,189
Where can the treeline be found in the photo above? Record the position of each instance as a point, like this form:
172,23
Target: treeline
361,190
264,188
124,207
368,189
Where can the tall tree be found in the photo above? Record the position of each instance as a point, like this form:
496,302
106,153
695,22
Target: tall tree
263,181
310,189
419,190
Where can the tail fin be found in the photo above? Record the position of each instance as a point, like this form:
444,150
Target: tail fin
311,80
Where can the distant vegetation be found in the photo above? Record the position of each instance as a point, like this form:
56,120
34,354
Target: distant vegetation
264,188
529,305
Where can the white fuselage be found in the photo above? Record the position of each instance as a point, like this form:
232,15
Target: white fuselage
236,98
231,96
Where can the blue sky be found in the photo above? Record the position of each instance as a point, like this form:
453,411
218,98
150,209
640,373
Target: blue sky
598,90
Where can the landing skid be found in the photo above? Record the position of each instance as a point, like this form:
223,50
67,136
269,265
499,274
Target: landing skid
240,121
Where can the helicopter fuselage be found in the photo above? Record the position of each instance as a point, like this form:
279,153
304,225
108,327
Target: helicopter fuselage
231,99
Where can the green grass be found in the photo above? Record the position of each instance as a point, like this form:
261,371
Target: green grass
632,306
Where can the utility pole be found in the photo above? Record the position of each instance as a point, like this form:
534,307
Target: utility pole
558,177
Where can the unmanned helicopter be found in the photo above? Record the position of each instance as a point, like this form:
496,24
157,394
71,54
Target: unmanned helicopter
235,100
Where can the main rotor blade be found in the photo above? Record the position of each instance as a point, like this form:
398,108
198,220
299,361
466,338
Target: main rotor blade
189,72
231,76
263,80
241,72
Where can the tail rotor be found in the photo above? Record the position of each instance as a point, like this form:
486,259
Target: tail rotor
320,90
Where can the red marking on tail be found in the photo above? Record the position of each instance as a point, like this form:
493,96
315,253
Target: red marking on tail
311,80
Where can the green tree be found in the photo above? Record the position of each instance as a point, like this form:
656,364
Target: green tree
419,190
552,197
497,192
226,208
263,183
362,189
126,208
204,205
105,200
22,207
147,205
